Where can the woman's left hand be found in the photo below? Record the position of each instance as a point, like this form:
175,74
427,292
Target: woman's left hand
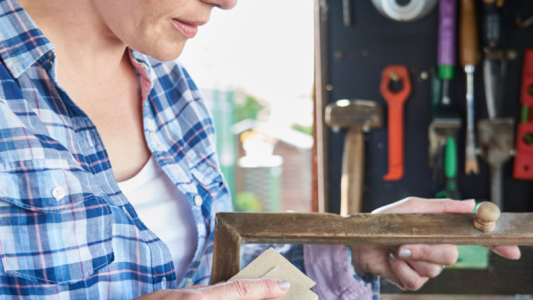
410,266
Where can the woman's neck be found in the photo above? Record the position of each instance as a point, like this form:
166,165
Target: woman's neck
84,45
92,63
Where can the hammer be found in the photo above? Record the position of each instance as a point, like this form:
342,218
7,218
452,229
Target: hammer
357,116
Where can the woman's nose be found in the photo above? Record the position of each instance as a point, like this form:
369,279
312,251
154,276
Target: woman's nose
223,4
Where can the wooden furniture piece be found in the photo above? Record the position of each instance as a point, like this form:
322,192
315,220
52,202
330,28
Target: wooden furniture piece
234,229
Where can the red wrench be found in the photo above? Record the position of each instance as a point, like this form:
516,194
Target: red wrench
395,101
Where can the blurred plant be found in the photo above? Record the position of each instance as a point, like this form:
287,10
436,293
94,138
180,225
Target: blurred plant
307,130
248,202
249,109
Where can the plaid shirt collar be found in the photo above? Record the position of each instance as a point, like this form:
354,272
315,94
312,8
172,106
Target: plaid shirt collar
21,42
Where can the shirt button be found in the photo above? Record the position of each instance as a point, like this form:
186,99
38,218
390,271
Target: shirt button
189,284
164,283
153,137
58,193
198,200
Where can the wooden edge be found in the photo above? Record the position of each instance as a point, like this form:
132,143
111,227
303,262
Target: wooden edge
320,100
365,229
377,229
314,168
226,252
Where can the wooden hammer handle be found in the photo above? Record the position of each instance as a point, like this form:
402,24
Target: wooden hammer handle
353,166
468,34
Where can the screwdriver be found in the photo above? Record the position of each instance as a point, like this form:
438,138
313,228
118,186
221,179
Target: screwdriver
446,57
468,51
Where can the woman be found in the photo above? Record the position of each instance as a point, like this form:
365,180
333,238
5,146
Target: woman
95,135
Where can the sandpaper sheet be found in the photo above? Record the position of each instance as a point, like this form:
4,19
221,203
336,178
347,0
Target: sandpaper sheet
268,261
297,291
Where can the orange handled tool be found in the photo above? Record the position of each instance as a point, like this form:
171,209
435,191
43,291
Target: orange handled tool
395,101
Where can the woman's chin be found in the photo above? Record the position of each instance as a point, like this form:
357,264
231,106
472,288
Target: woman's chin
162,51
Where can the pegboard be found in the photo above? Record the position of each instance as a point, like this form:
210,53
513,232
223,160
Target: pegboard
356,57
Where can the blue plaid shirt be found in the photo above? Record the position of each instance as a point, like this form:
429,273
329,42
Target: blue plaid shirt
66,229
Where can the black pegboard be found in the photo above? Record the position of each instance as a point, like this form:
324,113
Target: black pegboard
356,57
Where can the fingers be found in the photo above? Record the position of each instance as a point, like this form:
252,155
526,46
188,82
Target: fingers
256,289
509,252
435,254
410,278
419,205
415,264
425,269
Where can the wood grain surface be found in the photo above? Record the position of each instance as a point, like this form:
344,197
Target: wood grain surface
232,229
377,229
226,252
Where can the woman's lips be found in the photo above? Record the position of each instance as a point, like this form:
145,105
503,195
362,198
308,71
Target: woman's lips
187,30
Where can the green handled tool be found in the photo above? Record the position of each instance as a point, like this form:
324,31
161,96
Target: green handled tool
470,257
450,169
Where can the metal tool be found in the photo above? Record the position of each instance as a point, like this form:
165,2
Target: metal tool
446,121
495,134
446,55
469,58
525,23
495,60
357,116
445,125
395,102
496,142
436,96
347,12
523,161
412,11
451,190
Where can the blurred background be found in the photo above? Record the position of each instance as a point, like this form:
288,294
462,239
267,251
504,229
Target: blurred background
258,82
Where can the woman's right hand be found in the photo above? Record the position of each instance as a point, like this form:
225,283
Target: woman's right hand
253,289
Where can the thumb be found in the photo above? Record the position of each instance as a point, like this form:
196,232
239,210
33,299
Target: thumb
428,206
253,289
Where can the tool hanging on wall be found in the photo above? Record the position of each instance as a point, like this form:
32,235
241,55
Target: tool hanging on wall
446,121
496,58
357,116
495,138
412,11
523,161
395,102
451,190
468,51
436,96
525,23
446,54
347,12
495,135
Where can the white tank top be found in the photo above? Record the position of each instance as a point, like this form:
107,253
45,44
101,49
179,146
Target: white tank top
165,210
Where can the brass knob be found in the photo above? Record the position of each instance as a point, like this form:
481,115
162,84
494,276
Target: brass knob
487,213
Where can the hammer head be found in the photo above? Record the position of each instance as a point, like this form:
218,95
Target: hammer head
354,113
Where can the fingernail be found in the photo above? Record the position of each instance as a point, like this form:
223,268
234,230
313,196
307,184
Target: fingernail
404,253
440,272
392,256
284,285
